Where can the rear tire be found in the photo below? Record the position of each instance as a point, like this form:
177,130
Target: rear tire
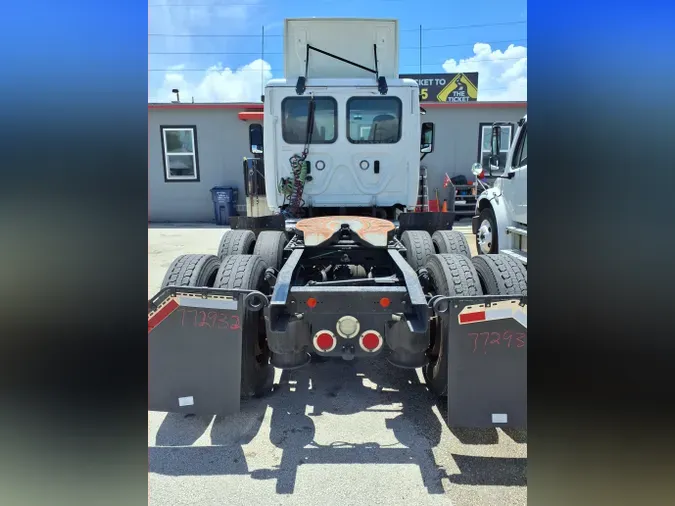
192,270
248,272
450,275
236,242
451,241
419,247
270,247
501,274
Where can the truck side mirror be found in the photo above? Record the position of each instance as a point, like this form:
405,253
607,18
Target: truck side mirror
255,138
427,140
495,147
496,140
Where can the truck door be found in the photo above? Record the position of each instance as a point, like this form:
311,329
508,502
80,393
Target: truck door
515,188
374,131
294,128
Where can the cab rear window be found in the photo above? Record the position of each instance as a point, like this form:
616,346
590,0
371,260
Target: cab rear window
374,120
294,120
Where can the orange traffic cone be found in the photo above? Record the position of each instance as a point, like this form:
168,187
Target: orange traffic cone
445,206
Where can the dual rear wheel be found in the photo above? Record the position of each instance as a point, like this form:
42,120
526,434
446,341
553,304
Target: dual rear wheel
240,264
456,275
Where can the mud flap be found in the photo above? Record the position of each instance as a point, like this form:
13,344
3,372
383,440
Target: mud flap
194,349
487,360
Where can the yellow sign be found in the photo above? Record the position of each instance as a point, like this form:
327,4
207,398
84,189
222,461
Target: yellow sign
450,87
460,89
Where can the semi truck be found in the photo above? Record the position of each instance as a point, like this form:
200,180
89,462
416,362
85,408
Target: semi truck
342,268
500,221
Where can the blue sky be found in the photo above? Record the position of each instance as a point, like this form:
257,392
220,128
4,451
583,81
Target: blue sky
497,49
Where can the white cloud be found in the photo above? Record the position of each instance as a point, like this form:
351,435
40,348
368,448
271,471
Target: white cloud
502,76
184,25
217,84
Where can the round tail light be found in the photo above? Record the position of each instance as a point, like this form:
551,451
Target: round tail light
325,341
371,341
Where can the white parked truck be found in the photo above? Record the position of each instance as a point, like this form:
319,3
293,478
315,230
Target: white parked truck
500,222
357,275
342,111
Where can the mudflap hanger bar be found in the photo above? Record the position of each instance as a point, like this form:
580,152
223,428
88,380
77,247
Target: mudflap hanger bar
382,86
194,348
487,360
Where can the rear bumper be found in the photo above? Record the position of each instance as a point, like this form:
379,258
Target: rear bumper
291,323
291,328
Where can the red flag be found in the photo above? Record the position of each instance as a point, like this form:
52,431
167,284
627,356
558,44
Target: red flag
446,181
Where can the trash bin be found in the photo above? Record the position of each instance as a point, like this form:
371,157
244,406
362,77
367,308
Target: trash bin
224,203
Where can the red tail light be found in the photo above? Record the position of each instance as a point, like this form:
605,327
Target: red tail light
371,341
325,341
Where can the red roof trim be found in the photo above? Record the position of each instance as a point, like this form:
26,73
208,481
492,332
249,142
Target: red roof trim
251,116
259,107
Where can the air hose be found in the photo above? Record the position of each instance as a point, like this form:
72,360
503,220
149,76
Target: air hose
292,188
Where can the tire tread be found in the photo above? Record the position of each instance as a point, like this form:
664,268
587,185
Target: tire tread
419,247
236,242
501,274
191,270
451,241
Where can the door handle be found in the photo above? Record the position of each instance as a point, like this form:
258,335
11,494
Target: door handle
376,167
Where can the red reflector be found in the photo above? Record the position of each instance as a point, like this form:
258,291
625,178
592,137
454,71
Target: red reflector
370,341
384,302
162,314
311,302
324,341
472,317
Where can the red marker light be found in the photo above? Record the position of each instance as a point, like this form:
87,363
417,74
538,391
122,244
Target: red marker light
311,302
384,302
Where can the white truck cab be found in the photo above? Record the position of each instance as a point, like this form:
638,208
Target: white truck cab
342,111
500,221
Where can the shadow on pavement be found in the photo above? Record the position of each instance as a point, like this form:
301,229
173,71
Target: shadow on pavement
492,471
334,387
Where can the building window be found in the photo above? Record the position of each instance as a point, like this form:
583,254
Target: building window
294,112
374,120
179,145
484,148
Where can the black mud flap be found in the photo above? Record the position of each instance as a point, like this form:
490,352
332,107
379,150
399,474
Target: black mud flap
487,360
194,349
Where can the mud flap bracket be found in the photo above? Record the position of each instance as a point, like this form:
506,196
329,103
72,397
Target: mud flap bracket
194,349
487,360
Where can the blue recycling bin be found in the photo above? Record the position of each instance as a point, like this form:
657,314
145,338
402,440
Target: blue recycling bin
224,203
